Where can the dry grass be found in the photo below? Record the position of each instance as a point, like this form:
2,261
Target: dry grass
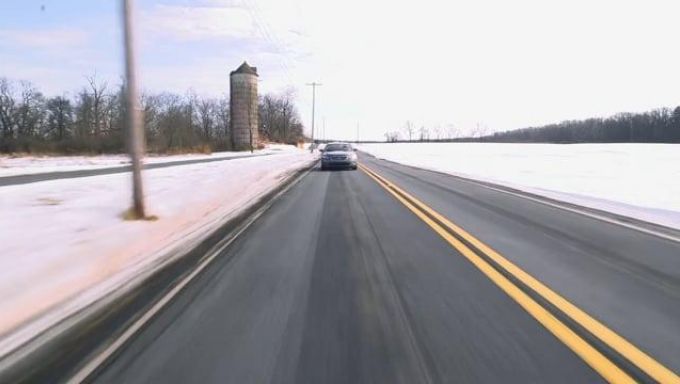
204,149
52,153
131,215
49,201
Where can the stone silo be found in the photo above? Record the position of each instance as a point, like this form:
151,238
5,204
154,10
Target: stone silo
243,106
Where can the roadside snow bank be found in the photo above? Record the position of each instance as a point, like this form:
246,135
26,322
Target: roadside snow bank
634,180
63,243
25,165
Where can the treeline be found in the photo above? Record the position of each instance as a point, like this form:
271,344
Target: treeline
279,118
92,120
657,126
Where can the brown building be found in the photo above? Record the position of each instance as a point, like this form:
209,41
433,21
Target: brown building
243,107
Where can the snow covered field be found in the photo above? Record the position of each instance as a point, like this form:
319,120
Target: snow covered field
635,180
64,244
24,165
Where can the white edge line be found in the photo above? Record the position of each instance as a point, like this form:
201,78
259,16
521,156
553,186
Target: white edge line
582,212
550,204
12,353
87,370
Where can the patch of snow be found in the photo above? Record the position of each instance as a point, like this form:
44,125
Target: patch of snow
64,243
25,165
635,180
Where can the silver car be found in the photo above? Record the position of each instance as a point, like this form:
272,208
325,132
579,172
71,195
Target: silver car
338,155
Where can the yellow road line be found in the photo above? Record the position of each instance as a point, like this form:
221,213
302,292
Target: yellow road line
643,361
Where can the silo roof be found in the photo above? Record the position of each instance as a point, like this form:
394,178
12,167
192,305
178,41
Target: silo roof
245,68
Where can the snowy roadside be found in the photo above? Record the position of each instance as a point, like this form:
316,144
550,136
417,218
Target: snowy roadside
64,244
641,181
28,165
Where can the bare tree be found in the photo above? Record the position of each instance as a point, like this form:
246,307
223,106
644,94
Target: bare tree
151,106
222,114
172,122
483,130
115,112
191,102
279,118
30,111
410,129
94,119
424,133
287,112
392,137
268,112
480,130
437,130
7,109
452,132
59,117
98,93
206,116
84,116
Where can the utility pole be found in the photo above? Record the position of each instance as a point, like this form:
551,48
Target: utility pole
313,85
357,132
135,135
630,129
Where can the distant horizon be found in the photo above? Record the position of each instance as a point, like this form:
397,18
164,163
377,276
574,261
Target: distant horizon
72,94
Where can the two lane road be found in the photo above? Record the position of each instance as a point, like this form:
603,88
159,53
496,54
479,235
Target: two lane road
352,277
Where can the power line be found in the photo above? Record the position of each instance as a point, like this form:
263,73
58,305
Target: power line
262,26
266,33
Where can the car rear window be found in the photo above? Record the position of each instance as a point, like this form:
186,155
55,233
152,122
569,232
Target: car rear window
338,147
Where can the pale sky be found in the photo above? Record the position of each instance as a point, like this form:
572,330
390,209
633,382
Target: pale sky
495,63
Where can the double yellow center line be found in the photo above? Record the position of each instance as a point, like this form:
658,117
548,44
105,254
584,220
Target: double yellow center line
478,253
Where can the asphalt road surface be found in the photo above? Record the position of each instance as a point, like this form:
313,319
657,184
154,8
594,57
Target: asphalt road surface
340,282
46,176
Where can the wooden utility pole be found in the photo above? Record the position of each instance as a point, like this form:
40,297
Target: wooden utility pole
313,85
357,132
135,136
